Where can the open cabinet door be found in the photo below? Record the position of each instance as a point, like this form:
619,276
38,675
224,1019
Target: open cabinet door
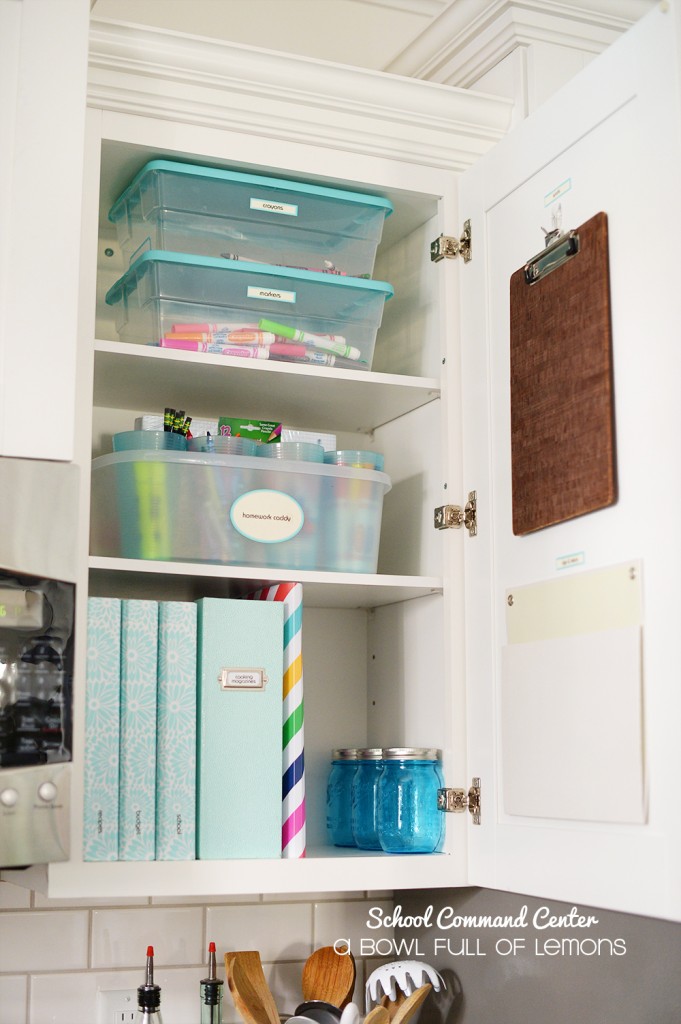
573,620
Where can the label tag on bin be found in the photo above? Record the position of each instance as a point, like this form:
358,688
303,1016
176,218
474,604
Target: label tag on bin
242,679
267,516
272,206
274,294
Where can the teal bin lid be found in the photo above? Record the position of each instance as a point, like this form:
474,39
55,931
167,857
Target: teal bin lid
220,174
135,271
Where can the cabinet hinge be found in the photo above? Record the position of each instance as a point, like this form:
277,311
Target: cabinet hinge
457,800
453,517
447,247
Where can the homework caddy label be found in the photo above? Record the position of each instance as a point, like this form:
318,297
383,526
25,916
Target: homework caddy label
269,517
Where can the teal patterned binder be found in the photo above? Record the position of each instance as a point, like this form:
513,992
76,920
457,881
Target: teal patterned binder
102,729
176,732
137,800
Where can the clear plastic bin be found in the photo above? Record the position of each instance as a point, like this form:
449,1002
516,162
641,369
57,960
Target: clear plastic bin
236,510
212,302
210,211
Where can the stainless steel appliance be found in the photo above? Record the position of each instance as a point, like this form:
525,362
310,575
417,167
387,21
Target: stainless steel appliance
37,616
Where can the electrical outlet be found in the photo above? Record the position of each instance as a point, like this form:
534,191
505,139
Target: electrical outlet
117,1006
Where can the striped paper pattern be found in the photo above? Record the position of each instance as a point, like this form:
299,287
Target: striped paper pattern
293,739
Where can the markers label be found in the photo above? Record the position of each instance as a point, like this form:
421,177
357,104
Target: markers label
558,191
568,561
276,295
269,517
272,206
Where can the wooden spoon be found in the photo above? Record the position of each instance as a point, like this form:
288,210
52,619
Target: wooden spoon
379,1015
250,991
411,1004
393,1005
329,976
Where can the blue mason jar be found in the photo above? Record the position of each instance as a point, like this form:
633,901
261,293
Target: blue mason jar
339,796
408,817
365,798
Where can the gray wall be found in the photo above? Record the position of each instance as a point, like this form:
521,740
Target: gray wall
577,985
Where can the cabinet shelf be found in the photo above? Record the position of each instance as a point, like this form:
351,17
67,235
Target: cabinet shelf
189,580
357,871
144,377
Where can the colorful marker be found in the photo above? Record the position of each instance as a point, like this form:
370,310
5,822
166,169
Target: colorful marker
210,328
329,343
298,353
227,337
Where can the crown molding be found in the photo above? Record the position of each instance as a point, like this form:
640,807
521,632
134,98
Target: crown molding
469,37
426,8
171,76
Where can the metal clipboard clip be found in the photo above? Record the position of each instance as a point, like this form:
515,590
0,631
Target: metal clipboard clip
559,249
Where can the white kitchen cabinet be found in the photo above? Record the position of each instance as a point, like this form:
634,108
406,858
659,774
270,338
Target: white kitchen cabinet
413,655
42,117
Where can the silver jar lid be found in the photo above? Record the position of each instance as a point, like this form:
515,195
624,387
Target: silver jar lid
412,754
370,753
345,754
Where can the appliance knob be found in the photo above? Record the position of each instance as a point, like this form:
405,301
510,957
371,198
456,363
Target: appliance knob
8,797
47,791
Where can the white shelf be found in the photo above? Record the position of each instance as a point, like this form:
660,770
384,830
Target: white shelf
189,580
328,867
145,377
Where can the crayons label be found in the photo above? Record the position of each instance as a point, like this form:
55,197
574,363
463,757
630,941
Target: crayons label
275,294
272,206
268,517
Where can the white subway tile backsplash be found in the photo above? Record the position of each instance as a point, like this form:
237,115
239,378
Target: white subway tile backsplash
165,901
180,995
14,897
47,946
278,931
310,897
45,903
285,982
72,998
13,999
349,921
44,940
120,937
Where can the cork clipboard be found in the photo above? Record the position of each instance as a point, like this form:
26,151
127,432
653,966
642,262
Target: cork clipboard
562,400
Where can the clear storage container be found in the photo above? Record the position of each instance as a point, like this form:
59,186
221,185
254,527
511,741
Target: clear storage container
211,211
339,796
206,303
409,820
235,510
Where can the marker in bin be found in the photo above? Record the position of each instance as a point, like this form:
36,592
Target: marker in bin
299,353
327,342
253,337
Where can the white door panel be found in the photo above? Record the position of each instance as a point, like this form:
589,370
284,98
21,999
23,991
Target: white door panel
608,142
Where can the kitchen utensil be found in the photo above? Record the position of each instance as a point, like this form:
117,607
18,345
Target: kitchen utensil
407,975
379,1015
319,1011
329,976
392,1005
411,1004
350,1014
250,991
